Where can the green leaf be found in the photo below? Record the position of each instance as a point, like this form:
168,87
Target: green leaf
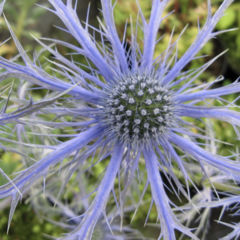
238,41
37,12
227,20
32,32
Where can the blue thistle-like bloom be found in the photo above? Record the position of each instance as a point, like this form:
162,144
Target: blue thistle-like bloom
123,105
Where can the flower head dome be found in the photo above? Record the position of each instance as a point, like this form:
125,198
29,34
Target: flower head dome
137,110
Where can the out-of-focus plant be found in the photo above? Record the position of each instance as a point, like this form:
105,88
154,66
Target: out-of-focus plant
23,17
232,39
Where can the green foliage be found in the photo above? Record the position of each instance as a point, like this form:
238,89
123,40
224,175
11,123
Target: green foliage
26,225
228,20
232,39
9,164
23,17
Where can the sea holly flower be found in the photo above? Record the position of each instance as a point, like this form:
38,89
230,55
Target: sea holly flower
123,105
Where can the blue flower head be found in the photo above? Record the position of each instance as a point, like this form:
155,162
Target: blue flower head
123,105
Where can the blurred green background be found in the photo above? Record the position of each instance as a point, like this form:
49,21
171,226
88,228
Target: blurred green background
26,18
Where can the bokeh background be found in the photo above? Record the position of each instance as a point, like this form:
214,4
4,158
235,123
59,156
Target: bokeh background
26,18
